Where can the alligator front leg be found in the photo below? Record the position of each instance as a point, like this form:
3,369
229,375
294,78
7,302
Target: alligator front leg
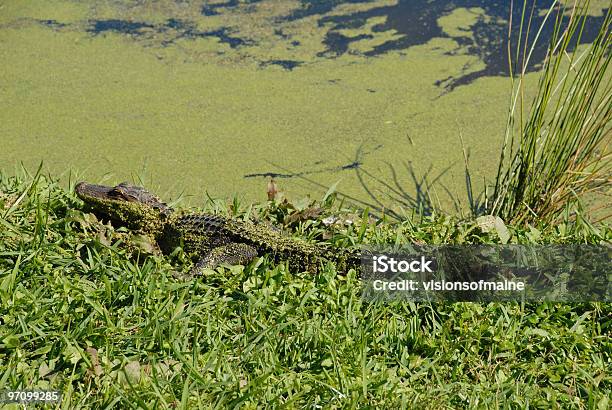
230,254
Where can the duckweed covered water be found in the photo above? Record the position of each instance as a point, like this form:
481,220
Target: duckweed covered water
219,96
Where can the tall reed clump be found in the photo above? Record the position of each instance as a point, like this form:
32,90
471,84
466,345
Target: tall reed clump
556,150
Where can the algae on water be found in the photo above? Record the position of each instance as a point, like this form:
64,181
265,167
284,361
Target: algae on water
196,99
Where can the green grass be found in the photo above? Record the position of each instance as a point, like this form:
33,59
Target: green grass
84,313
556,150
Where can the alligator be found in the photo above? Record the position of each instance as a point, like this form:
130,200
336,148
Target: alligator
210,240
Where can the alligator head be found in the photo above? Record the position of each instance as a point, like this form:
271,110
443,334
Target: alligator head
126,205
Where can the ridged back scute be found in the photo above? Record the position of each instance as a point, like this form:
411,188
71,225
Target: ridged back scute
201,223
134,193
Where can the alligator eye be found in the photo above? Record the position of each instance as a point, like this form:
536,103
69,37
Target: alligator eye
117,194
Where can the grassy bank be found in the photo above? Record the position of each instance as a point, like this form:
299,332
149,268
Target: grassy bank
107,325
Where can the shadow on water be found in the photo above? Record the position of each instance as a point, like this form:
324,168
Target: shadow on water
394,192
381,190
353,165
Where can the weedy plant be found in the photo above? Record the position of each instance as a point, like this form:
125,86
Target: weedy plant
556,150
109,327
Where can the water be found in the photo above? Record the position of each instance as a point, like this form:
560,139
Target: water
416,22
177,29
219,97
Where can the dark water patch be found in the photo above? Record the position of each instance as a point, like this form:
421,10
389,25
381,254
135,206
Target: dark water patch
187,29
52,23
338,44
489,43
174,29
416,22
213,9
119,26
209,10
440,83
279,32
223,34
286,64
318,7
179,24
